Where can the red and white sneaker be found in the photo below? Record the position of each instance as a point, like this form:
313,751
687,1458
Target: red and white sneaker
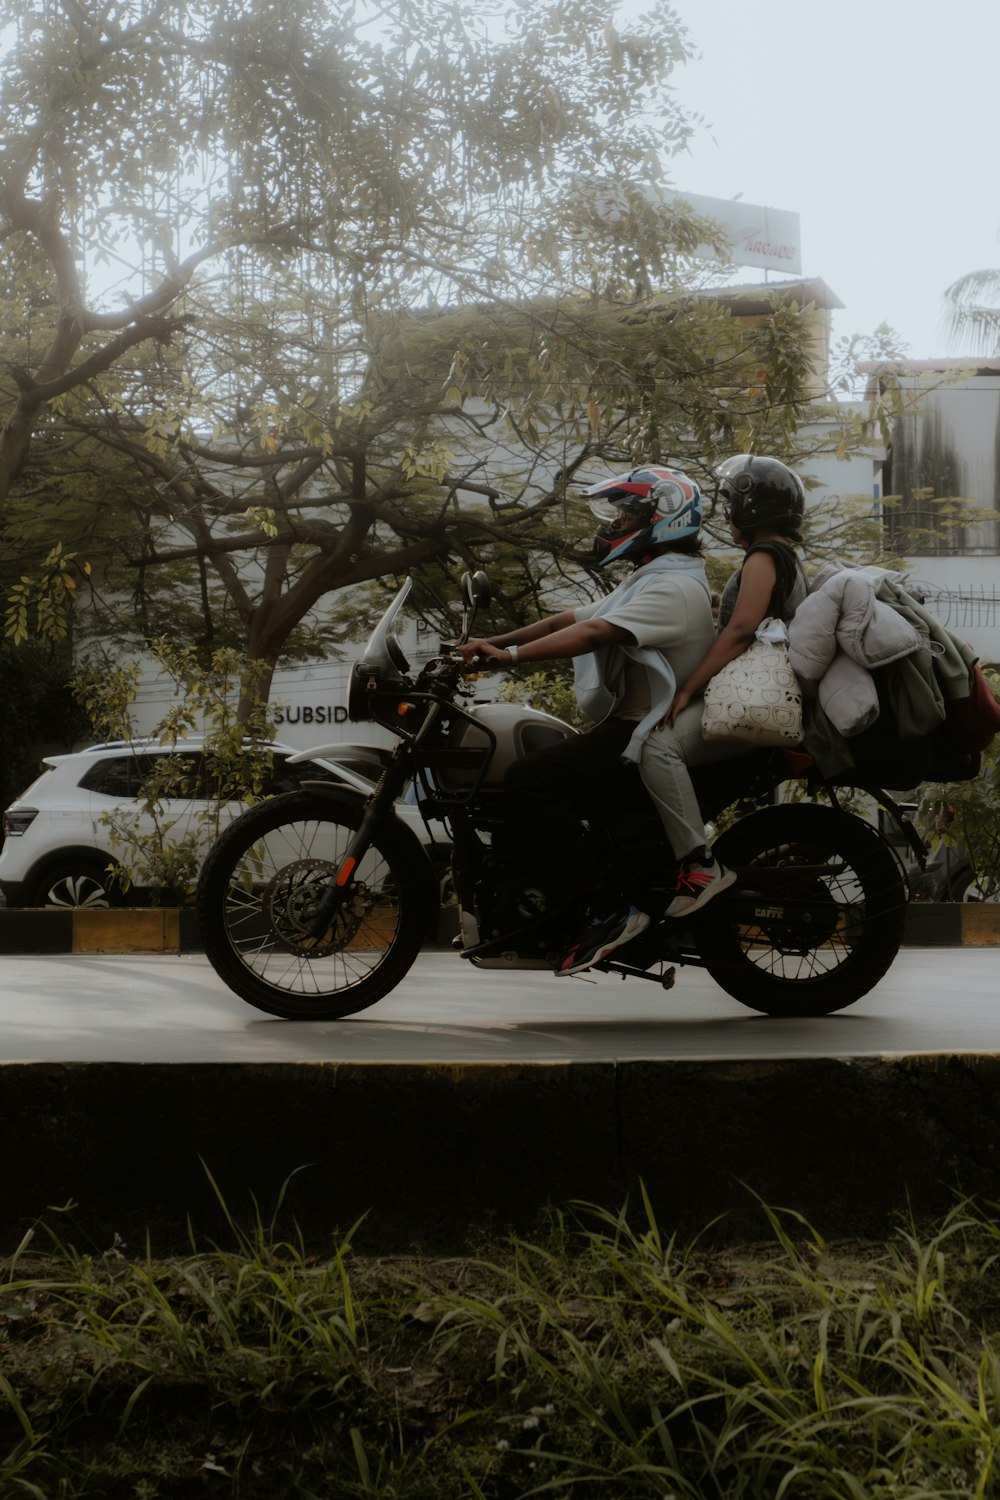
696,885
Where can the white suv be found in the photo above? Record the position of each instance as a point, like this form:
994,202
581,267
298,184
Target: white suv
57,848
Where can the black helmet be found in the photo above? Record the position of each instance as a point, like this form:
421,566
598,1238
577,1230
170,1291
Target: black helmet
646,509
758,491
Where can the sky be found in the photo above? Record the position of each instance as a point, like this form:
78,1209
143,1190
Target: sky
876,121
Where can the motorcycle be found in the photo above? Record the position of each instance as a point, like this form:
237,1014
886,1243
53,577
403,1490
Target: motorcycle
314,904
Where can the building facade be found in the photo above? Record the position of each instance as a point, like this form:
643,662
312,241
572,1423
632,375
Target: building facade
941,485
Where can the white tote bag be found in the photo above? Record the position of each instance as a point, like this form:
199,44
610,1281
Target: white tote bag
756,698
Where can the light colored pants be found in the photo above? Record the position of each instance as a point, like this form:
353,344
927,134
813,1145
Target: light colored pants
666,756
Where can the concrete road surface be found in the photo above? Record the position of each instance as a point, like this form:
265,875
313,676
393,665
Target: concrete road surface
167,1009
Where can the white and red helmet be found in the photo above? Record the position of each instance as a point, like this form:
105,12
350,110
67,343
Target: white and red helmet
643,510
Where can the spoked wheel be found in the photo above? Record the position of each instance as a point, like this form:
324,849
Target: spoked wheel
258,893
829,919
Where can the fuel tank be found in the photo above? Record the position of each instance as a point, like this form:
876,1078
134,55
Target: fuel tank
519,729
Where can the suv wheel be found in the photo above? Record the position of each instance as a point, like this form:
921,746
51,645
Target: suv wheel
76,883
982,888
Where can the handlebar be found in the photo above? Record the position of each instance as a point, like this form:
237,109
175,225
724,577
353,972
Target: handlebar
447,669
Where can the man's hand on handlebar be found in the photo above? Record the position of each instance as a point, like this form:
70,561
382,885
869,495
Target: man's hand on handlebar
478,654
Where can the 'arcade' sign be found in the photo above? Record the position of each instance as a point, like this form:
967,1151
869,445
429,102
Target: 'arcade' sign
765,237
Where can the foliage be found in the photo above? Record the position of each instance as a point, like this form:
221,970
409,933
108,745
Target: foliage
51,593
39,714
201,206
601,1357
549,687
91,581
922,523
231,765
974,310
340,300
851,359
967,813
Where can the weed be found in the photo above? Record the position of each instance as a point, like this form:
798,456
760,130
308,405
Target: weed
601,1358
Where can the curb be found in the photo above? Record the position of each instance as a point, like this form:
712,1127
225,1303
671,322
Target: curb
427,1156
952,924
929,924
139,930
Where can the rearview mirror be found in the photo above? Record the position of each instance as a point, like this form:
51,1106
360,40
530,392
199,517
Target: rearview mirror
476,590
476,595
483,592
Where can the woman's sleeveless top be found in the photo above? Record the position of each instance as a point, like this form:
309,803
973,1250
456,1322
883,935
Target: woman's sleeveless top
790,587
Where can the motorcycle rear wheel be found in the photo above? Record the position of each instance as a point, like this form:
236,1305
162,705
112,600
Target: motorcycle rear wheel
254,898
844,903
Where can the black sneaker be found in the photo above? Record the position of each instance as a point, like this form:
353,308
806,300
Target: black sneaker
603,937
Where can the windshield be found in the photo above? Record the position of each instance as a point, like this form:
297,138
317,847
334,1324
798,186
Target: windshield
383,646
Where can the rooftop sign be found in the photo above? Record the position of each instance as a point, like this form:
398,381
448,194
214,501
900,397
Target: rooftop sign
765,237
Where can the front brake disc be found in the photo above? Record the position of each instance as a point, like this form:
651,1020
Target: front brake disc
291,899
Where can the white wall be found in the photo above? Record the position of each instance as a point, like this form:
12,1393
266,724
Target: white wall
962,591
964,594
308,699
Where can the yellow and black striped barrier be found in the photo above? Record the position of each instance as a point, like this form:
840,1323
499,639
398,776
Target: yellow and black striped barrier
132,930
929,924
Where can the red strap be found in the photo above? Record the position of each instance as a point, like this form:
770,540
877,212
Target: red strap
799,761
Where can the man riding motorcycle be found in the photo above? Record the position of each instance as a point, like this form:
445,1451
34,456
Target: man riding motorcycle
631,649
314,904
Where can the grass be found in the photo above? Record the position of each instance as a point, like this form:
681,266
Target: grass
598,1358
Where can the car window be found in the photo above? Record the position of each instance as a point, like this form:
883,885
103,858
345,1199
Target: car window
126,775
113,776
184,775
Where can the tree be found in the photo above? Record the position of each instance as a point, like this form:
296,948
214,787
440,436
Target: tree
974,310
152,846
39,714
475,423
320,158
347,300
201,206
965,815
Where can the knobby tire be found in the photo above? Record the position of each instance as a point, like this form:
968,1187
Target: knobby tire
255,889
857,902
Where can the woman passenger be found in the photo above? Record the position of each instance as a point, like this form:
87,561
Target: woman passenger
764,502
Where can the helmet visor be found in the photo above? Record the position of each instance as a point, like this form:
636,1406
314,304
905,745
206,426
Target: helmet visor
621,515
735,475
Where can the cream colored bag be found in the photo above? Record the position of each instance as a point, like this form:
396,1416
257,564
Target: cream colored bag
756,698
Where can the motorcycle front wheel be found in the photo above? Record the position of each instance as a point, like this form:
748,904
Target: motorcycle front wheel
830,914
258,889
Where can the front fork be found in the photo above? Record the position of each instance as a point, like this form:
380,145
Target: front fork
379,805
